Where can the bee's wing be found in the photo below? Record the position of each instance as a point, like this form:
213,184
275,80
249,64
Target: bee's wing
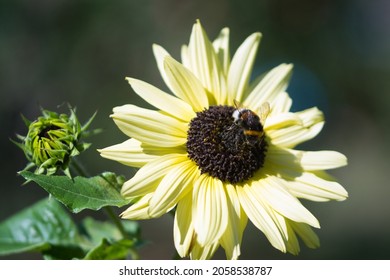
237,104
264,111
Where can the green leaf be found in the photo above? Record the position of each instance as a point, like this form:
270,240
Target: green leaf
97,230
81,193
107,250
108,240
41,227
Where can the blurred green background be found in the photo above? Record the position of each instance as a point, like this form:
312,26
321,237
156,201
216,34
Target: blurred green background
54,52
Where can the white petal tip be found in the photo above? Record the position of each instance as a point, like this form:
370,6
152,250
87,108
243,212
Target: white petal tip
157,49
258,35
316,225
343,196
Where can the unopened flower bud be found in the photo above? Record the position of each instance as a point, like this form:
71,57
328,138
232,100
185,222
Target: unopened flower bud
52,140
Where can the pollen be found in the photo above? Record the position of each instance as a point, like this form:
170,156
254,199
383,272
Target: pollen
220,147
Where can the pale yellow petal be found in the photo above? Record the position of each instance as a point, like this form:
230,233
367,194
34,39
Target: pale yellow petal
311,186
173,187
139,210
149,176
292,243
135,153
150,127
183,230
210,213
282,161
289,135
280,222
232,238
269,87
129,153
310,116
280,121
255,209
204,62
185,85
221,47
162,100
281,104
320,160
297,161
201,252
306,233
159,54
278,219
273,190
185,60
240,69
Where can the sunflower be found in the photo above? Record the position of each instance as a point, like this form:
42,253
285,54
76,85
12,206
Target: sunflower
221,150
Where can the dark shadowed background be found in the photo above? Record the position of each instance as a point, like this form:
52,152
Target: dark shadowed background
54,52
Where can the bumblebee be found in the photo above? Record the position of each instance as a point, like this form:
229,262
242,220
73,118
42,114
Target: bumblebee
251,123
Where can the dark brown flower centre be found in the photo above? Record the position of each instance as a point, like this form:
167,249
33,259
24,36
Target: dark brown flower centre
45,131
221,148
